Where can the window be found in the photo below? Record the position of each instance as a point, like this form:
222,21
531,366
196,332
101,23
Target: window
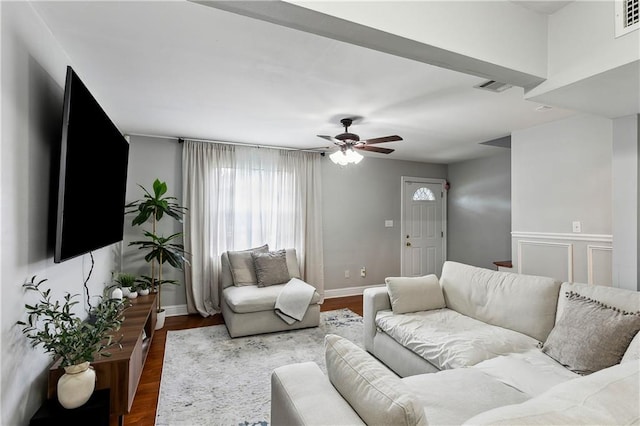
423,194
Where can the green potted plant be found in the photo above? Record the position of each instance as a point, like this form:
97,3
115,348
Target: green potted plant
143,285
126,281
76,343
153,207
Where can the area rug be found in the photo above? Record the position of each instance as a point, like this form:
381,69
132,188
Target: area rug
210,379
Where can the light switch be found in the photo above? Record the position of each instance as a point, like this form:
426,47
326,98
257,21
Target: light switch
388,224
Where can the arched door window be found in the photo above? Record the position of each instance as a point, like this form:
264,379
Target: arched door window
423,194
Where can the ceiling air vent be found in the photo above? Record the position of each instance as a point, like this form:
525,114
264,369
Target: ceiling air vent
493,86
627,16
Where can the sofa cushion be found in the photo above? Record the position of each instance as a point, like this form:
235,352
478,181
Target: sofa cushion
531,372
241,264
450,397
271,267
412,294
607,397
633,351
375,393
626,300
523,303
292,263
448,339
247,299
590,336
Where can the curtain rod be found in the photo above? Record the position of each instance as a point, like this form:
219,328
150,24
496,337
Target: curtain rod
182,139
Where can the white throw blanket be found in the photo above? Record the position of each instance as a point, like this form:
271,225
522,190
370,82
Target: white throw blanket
293,300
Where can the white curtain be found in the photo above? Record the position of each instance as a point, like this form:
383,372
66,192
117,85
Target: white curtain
240,197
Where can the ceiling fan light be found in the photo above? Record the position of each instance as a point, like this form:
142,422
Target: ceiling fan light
353,157
339,157
347,156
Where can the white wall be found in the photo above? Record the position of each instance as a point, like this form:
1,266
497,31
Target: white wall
476,29
582,42
479,210
561,172
151,158
356,201
32,81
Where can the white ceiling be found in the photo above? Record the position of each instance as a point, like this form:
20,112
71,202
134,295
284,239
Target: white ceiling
183,69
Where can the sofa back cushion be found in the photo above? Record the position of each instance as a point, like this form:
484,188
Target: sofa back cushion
523,303
626,300
375,393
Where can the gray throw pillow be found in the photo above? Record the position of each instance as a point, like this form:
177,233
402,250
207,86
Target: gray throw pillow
590,336
241,263
271,267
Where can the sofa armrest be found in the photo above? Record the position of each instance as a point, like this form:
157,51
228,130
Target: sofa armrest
374,299
302,395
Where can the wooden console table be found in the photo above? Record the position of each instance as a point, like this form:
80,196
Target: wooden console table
122,370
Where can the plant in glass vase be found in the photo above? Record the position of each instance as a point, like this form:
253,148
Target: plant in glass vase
153,207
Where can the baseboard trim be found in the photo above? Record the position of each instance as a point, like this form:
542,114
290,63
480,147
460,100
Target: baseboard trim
348,291
176,310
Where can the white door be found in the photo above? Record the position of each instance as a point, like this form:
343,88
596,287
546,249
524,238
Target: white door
423,226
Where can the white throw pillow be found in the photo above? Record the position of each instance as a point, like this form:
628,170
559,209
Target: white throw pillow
241,265
414,294
373,391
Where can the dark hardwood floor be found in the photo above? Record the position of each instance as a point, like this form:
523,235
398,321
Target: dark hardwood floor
143,411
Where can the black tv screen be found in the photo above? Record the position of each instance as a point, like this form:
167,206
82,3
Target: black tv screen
92,177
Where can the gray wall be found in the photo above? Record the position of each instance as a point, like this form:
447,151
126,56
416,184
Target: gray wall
479,210
356,202
151,158
33,73
562,172
626,183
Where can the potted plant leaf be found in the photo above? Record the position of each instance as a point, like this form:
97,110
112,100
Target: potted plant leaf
75,342
153,207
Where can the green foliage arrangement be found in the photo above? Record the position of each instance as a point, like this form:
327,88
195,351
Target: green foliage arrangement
126,279
63,334
159,249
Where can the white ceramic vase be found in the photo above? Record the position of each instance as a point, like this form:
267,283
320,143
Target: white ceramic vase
76,385
143,292
126,291
160,317
132,294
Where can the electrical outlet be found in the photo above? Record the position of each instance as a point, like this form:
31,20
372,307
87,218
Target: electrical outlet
577,226
363,272
346,273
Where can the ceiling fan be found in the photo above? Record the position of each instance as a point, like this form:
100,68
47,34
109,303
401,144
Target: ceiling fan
348,141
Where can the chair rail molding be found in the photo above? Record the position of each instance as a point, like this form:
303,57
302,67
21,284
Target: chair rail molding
566,236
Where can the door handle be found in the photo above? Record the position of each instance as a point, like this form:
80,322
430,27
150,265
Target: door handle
408,244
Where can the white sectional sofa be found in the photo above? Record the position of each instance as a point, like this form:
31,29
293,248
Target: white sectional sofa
475,347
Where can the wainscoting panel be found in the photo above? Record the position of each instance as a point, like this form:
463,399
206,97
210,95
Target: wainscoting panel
599,265
584,258
551,259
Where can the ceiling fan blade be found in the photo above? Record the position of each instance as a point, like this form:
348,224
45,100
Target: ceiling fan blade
332,139
383,139
374,149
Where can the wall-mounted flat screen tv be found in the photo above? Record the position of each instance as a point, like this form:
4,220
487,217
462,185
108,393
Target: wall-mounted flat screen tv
92,176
